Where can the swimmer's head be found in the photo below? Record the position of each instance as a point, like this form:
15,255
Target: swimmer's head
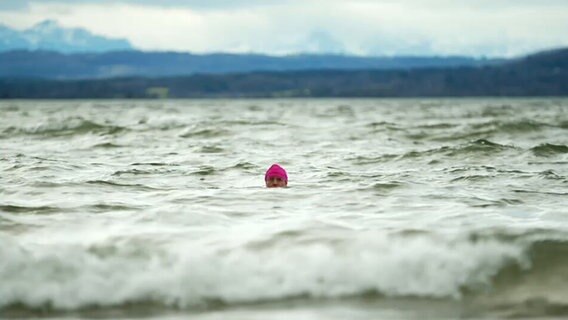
276,177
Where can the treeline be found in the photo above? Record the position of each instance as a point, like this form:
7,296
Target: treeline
55,65
543,74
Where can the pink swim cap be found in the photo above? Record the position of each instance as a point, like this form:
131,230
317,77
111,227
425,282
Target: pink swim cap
276,171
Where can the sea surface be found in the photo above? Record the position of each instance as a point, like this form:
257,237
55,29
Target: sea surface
396,209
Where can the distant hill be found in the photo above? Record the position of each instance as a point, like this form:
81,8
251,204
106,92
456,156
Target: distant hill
49,35
554,58
541,74
54,65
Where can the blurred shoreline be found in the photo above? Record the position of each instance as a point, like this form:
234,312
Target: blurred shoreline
543,74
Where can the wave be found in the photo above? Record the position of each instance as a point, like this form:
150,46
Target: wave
386,187
105,208
480,147
244,165
547,150
522,126
494,270
157,168
364,160
515,126
552,193
211,149
204,133
154,164
29,209
536,288
205,171
230,123
475,147
550,174
136,172
107,145
147,168
64,127
121,185
447,132
379,127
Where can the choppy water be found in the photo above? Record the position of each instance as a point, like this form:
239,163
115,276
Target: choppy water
397,209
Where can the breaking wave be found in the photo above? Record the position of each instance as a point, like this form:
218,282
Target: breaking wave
495,269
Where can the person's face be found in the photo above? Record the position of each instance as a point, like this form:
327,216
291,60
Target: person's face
276,182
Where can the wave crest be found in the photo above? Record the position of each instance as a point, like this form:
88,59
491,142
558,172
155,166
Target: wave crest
513,268
64,127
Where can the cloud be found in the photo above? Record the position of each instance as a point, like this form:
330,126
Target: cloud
190,4
481,27
322,41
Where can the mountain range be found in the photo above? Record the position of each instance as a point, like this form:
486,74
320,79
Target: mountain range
49,35
50,51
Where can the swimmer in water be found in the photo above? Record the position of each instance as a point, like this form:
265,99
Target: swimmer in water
276,177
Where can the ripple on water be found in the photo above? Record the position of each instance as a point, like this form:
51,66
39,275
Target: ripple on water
205,171
204,133
65,127
107,183
211,149
549,150
30,209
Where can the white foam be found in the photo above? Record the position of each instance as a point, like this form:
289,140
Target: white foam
178,272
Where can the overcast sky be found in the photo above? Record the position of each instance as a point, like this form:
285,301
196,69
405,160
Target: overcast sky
364,27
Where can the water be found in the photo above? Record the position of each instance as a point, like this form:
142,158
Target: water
396,209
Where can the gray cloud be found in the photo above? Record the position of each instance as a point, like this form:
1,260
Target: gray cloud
481,27
231,4
193,4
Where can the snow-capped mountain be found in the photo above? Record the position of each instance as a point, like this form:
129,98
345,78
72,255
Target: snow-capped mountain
49,35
